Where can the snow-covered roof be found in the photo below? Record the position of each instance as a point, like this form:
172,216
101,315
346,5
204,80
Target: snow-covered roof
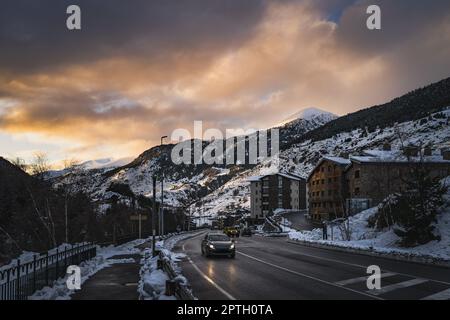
255,178
286,175
381,156
338,160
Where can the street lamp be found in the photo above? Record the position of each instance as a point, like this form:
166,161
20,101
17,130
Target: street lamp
161,210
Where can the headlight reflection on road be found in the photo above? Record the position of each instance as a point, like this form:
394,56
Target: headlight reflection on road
232,271
211,270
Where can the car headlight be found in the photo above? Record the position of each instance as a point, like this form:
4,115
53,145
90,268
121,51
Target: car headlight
211,246
232,246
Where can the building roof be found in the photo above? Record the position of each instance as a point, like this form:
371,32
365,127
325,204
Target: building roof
286,175
337,160
379,156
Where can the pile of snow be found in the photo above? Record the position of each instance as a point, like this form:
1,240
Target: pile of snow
153,281
384,241
59,290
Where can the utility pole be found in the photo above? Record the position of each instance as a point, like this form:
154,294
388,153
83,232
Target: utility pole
154,216
189,219
161,209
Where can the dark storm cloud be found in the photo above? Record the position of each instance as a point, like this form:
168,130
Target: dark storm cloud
139,69
402,20
33,33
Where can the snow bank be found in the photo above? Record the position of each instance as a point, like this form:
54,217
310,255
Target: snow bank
153,281
384,241
59,290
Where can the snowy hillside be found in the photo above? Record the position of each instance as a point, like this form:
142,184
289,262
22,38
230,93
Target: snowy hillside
183,184
301,158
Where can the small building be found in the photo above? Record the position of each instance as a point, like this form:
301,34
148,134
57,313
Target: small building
327,189
377,174
276,191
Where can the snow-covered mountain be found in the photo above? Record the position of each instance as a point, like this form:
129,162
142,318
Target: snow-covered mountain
301,158
106,163
310,114
210,189
184,184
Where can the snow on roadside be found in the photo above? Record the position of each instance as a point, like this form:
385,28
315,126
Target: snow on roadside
384,241
153,281
59,290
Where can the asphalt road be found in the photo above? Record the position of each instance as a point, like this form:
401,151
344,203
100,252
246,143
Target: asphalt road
271,268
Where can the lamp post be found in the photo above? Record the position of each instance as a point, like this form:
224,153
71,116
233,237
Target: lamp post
154,216
161,209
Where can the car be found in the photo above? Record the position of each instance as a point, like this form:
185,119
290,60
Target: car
218,244
231,232
246,232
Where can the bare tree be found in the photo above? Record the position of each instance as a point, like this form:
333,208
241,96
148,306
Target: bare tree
70,167
19,162
40,166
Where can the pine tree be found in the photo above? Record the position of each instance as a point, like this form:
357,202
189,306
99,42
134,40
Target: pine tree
417,208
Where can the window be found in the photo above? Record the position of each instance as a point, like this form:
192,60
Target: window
330,192
335,179
322,169
357,191
357,174
322,193
323,181
329,168
329,180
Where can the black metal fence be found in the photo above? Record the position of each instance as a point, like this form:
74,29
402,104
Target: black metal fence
22,280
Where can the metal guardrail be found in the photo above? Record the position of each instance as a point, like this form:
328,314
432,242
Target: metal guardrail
181,291
22,280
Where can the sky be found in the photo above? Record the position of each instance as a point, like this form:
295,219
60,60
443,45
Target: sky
140,69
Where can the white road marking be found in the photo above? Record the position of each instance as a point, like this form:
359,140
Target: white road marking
361,266
362,279
443,295
308,276
396,286
222,290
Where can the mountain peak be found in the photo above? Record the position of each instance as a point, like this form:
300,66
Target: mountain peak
309,114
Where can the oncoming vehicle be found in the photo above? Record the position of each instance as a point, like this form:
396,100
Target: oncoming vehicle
231,232
218,244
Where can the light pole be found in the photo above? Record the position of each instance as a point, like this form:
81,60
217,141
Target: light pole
161,209
154,215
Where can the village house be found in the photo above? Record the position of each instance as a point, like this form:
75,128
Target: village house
326,189
276,191
377,174
340,186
